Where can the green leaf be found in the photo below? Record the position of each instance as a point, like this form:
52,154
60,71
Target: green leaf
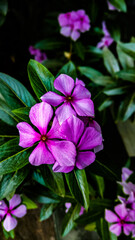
126,108
9,234
115,90
22,113
128,48
38,177
73,187
54,181
10,159
69,69
28,202
3,10
46,211
14,93
40,77
101,185
49,44
110,61
127,75
69,220
90,217
102,227
10,182
83,185
6,114
96,51
103,80
120,4
125,60
106,103
89,72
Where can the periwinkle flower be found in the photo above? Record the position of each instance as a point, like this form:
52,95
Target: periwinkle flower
8,213
85,140
106,40
39,56
74,22
75,99
50,148
121,220
111,7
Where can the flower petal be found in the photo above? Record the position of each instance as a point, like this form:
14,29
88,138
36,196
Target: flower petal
2,214
75,35
52,98
28,136
84,107
121,210
40,116
20,211
64,84
126,173
111,216
90,139
84,159
41,155
127,228
116,229
58,168
66,31
64,111
54,131
63,151
14,201
9,223
3,205
80,92
72,129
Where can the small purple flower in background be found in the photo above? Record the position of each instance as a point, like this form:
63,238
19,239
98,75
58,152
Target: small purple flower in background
72,23
50,147
121,220
85,139
126,173
38,55
68,206
8,213
128,187
76,99
107,40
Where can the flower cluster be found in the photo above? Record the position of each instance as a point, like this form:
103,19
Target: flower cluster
124,216
38,55
73,137
73,23
8,213
106,40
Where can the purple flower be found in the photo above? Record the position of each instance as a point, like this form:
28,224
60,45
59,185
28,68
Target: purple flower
85,139
38,55
10,212
68,206
75,99
107,40
50,147
126,173
128,187
72,23
129,203
121,220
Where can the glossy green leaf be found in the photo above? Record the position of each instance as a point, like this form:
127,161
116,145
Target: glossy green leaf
101,185
6,114
89,72
69,220
53,180
73,187
125,60
22,113
83,185
69,69
115,90
102,227
127,75
14,93
95,51
9,234
40,77
126,108
106,103
3,10
103,80
128,48
10,182
120,4
37,176
46,211
79,50
110,61
28,202
90,217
